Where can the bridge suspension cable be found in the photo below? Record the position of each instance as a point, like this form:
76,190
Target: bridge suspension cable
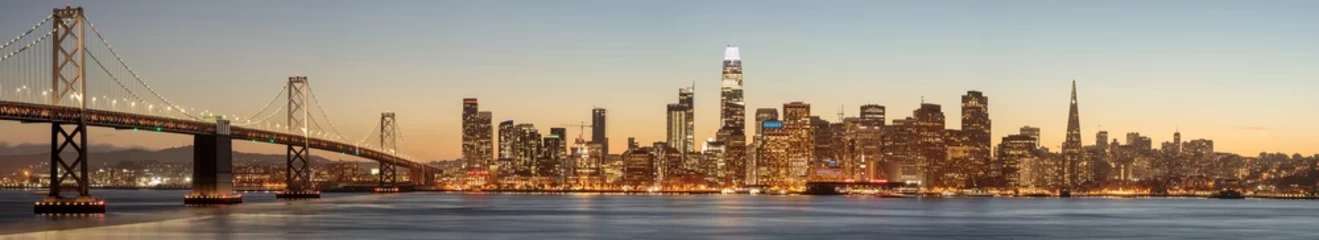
26,46
134,73
407,151
272,102
34,27
112,76
317,103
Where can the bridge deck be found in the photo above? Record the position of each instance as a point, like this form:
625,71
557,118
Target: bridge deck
40,113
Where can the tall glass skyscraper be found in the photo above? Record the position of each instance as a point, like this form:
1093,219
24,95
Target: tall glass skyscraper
733,119
598,129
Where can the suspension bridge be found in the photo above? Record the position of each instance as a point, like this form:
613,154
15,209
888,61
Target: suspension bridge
45,78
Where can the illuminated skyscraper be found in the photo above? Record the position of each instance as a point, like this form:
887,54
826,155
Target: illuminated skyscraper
733,119
598,129
508,136
677,127
1016,153
1072,154
773,155
868,143
527,149
930,143
755,164
687,98
1031,132
976,129
801,143
477,137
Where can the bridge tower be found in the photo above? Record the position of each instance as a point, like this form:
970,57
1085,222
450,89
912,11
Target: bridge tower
388,178
68,139
297,175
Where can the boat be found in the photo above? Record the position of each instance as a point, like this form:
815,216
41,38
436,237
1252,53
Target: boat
891,194
822,190
977,193
1064,193
1228,194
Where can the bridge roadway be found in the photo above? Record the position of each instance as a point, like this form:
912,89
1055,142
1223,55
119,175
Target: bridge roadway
40,113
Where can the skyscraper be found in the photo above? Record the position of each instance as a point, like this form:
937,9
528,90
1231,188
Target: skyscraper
508,136
932,150
755,165
773,155
733,119
1031,132
553,155
801,141
687,97
477,148
1016,153
527,149
1071,149
678,135
732,110
598,129
976,128
868,142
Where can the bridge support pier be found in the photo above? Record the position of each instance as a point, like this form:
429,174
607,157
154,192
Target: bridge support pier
212,169
297,175
69,145
388,179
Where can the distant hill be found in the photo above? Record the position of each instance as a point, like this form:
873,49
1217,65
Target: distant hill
31,148
10,162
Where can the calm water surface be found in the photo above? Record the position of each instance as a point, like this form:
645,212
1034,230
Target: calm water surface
161,215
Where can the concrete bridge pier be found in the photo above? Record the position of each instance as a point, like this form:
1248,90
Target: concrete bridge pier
212,169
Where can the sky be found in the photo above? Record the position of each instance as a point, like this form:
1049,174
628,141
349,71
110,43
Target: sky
1242,73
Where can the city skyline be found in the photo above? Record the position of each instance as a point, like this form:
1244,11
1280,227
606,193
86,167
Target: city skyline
1272,112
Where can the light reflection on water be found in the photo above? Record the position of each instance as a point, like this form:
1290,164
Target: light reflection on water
515,216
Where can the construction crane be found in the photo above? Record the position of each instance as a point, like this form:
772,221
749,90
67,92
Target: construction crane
581,128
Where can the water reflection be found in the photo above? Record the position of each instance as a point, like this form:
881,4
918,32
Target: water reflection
507,216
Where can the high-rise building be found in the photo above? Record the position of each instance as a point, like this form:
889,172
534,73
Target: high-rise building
774,157
638,168
687,98
976,128
508,136
733,119
901,160
823,133
1015,154
553,155
477,148
755,166
598,129
712,165
801,146
1032,132
930,145
1097,157
732,109
527,149
867,138
1072,154
678,134
668,163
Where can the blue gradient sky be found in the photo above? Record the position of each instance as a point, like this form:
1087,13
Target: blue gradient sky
1242,73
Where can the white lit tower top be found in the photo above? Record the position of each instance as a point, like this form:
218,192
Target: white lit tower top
732,109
